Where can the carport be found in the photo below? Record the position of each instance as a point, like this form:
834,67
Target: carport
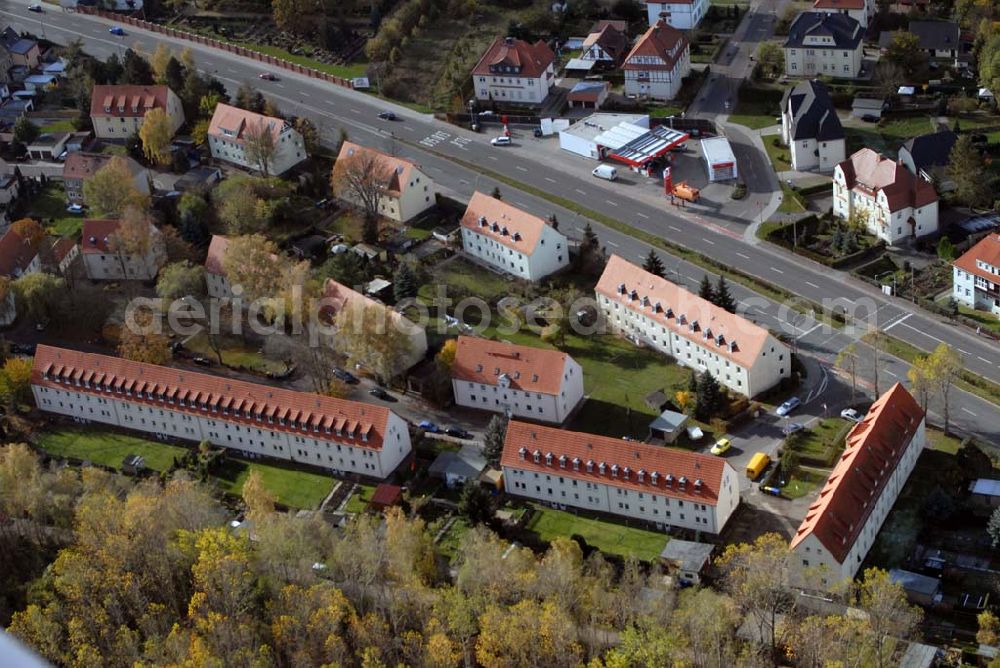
648,146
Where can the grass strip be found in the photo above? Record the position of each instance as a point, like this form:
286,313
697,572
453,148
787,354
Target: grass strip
969,382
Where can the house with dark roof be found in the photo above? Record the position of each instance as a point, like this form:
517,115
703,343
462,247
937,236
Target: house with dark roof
811,129
940,39
841,525
976,277
664,487
23,51
821,43
606,44
894,204
926,156
512,70
860,10
657,64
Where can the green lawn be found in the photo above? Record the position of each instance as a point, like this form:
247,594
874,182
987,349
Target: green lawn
791,201
804,481
108,448
607,536
50,208
817,440
779,155
664,112
114,149
358,503
452,538
468,278
292,487
938,440
888,136
345,71
65,125
234,354
983,319
617,377
753,121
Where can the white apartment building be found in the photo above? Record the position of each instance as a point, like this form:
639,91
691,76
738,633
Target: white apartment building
841,525
231,128
512,240
895,204
657,64
103,262
512,70
667,487
811,129
860,10
345,437
679,14
976,278
741,355
520,381
407,191
118,111
820,43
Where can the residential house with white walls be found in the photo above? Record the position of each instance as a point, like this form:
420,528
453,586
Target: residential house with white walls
406,189
681,14
514,71
861,11
811,129
104,261
656,66
820,43
232,129
976,277
117,111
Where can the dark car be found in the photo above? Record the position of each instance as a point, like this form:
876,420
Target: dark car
537,132
267,76
870,118
22,348
202,361
427,425
456,432
379,393
35,8
345,376
387,115
116,30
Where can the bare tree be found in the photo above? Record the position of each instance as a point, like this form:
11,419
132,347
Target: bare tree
133,237
360,179
847,359
260,146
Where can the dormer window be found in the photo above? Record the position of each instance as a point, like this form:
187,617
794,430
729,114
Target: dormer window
614,470
576,463
670,313
633,295
522,453
602,468
621,288
682,483
562,461
548,459
641,475
626,472
654,478
590,466
657,308
669,480
697,485
645,301
537,456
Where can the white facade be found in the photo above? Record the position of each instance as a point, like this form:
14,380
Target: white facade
108,265
289,151
551,255
657,83
976,276
681,15
500,397
815,58
514,71
873,207
720,161
407,191
823,156
861,15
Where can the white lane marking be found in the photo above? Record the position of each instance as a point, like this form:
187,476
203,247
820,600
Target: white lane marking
641,215
579,191
550,180
777,270
304,94
708,241
611,203
810,330
890,373
897,322
811,284
463,181
964,352
280,85
969,412
612,243
675,229
745,257
934,338
983,359
493,158
354,111
520,168
408,128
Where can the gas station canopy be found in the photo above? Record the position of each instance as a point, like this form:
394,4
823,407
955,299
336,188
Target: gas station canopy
649,145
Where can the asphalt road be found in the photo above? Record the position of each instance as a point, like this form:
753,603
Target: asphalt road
437,145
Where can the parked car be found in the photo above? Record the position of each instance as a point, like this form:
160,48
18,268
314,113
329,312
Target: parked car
22,348
379,393
202,361
37,8
789,406
387,115
344,375
537,132
427,425
500,141
74,208
721,446
870,118
116,30
267,76
851,414
792,428
458,433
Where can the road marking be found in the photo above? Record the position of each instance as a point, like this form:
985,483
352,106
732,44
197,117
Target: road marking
964,352
305,94
886,329
519,167
708,241
745,257
891,373
969,412
493,158
776,270
463,181
934,338
280,85
675,229
809,283
810,330
611,203
612,243
408,128
641,215
579,191
550,180
355,111
983,359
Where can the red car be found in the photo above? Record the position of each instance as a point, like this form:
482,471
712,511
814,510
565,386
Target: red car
267,76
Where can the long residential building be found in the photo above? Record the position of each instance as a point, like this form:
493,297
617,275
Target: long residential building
667,487
841,525
254,420
521,381
681,14
118,111
234,131
976,278
512,240
741,355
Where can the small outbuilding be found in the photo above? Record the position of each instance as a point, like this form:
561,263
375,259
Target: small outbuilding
588,94
985,493
920,589
667,426
385,496
133,464
457,468
720,161
868,106
687,559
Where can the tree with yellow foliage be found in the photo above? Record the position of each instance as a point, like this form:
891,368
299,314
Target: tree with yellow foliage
112,189
258,499
528,633
15,380
141,340
156,134
446,356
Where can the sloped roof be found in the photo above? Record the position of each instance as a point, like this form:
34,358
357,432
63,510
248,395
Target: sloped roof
870,172
845,31
936,35
683,312
988,251
662,41
16,253
126,101
394,173
217,248
531,60
82,165
235,124
97,232
609,37
338,296
839,4
503,222
630,465
530,369
874,448
249,403
930,150
813,113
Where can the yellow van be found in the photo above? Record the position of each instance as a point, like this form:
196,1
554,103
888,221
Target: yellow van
757,464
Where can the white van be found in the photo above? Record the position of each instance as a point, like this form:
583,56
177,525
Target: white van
606,172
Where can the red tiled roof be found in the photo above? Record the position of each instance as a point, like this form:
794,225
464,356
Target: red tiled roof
61,248
216,252
532,59
80,165
338,296
874,448
667,303
96,234
232,123
529,369
623,462
663,41
839,4
502,222
16,253
395,172
870,172
105,374
386,495
988,251
126,101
